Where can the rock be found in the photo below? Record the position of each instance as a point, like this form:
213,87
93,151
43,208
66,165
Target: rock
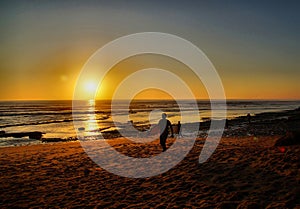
59,139
35,135
51,139
32,135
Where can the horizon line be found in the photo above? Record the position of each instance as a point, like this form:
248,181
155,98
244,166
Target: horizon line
230,99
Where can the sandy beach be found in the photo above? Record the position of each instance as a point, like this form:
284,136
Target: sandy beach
244,172
150,104
256,165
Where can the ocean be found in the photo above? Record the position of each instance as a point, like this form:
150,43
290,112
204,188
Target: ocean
55,118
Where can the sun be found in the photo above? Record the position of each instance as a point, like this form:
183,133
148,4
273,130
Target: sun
88,89
91,87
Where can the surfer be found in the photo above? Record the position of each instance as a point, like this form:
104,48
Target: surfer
164,124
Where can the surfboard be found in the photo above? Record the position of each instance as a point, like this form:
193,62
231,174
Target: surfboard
154,130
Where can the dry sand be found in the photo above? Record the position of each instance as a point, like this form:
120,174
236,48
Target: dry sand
245,172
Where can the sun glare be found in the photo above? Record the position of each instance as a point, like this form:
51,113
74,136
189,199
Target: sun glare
91,87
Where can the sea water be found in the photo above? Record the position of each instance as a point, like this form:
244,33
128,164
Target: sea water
55,118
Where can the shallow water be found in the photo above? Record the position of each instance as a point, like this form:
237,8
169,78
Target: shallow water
56,120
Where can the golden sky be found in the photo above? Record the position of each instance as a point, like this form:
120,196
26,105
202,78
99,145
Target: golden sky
130,65
254,46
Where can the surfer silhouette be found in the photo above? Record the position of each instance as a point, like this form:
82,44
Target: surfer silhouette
164,126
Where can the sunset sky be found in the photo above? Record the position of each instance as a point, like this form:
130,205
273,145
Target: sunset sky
254,45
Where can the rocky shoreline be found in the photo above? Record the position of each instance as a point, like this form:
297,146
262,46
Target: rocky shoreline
263,124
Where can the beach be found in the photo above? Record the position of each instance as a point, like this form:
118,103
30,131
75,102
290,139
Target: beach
150,104
246,170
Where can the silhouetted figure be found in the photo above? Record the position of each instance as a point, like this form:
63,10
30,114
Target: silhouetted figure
226,123
179,129
249,118
164,126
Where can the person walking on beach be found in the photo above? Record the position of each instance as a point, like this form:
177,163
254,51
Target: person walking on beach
164,126
179,129
249,118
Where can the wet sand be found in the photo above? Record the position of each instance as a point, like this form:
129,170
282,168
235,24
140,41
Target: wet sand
243,172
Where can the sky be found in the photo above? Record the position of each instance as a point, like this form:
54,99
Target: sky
254,45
